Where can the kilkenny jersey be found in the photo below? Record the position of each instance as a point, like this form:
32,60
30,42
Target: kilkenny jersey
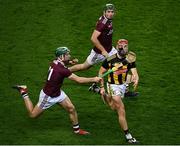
118,77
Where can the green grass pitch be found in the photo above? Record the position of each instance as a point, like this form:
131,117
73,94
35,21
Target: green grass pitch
30,30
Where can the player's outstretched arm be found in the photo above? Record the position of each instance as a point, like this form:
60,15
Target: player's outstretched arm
84,79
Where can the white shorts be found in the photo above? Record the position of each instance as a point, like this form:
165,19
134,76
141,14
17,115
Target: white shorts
94,57
46,101
116,90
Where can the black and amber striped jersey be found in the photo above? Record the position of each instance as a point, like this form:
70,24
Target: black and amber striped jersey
118,77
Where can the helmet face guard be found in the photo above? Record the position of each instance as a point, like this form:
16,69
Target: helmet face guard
121,52
122,47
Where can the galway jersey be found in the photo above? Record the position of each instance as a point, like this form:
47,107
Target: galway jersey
56,74
118,77
104,26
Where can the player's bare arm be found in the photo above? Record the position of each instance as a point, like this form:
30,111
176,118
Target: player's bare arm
95,41
84,79
135,77
102,70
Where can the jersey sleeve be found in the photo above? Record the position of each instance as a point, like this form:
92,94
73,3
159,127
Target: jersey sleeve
132,65
105,64
100,26
66,72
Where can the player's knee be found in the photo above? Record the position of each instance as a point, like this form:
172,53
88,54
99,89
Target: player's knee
33,116
121,110
120,107
85,66
82,67
112,106
71,109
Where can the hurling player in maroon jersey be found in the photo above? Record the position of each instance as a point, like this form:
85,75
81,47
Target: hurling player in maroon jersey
101,39
52,92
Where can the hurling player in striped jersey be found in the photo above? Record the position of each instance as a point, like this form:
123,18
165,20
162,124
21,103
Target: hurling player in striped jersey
116,84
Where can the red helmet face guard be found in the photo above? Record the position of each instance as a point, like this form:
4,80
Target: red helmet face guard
122,47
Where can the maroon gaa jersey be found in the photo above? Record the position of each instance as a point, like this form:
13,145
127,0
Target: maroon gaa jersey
56,74
104,26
